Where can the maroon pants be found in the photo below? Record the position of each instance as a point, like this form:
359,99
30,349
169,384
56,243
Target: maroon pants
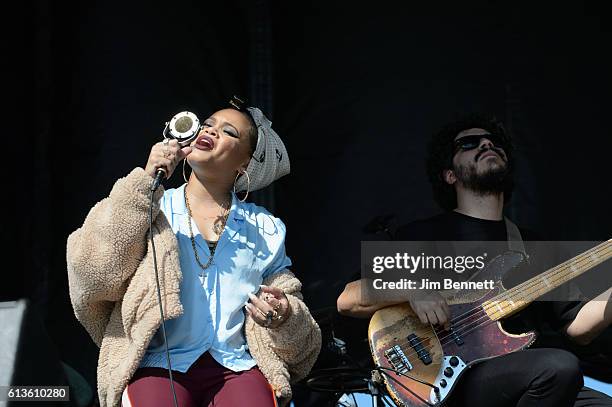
205,384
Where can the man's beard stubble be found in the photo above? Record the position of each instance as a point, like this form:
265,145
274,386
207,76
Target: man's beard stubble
492,181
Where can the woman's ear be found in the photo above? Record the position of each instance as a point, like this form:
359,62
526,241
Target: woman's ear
449,176
245,164
242,169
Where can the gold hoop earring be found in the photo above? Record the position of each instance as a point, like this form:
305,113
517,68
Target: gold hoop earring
184,176
248,184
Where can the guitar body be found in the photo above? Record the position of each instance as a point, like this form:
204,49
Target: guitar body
399,341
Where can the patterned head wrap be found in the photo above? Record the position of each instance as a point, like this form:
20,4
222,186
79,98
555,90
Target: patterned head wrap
270,160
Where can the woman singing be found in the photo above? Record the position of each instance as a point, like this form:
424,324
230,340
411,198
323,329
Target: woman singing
237,329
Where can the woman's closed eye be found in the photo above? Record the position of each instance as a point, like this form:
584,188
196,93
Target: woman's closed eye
230,132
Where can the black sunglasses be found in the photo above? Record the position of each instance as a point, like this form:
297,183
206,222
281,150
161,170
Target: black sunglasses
466,143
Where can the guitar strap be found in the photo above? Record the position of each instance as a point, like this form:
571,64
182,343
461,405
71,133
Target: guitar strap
515,240
513,234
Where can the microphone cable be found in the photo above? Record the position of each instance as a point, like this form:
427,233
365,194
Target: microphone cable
161,308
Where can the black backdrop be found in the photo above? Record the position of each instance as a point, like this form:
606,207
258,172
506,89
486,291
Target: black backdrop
354,90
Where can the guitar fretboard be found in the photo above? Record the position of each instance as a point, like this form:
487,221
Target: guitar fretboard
517,298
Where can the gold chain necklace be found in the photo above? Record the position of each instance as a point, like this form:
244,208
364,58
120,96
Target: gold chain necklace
218,229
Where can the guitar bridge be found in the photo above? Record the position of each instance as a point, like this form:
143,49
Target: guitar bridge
398,359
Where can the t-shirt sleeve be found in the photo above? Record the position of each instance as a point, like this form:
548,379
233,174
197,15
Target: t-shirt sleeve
563,312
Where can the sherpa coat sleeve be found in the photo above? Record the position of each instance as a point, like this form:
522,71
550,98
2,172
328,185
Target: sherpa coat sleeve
290,350
104,253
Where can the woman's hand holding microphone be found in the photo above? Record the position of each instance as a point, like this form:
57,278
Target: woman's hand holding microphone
166,155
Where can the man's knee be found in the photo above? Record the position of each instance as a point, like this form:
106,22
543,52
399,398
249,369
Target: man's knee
561,367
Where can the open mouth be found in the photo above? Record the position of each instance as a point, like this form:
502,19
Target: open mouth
205,143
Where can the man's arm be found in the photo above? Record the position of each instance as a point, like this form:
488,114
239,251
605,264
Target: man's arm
350,302
430,307
593,317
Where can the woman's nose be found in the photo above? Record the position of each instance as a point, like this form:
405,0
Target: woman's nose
211,131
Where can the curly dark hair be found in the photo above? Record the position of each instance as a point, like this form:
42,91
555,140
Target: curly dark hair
440,154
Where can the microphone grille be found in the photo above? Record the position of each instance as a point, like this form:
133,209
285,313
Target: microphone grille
183,124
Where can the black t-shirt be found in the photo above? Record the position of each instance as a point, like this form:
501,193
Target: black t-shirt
454,226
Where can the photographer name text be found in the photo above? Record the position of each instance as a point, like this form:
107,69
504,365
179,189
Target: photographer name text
427,284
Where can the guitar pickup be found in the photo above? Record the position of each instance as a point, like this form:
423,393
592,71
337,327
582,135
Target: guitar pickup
456,337
421,352
398,359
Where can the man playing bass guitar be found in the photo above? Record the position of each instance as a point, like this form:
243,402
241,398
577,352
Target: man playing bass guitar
470,167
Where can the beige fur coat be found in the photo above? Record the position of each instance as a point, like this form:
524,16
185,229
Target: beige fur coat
114,295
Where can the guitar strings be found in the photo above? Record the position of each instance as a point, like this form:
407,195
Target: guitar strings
545,274
493,303
458,320
595,251
577,259
485,317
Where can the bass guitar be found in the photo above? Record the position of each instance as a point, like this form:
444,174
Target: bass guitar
421,364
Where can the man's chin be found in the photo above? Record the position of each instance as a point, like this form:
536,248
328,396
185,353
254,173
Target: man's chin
484,177
490,164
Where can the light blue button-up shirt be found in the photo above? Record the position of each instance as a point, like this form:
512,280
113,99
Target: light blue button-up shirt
251,248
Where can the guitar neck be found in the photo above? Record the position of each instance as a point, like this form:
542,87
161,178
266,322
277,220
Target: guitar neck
517,298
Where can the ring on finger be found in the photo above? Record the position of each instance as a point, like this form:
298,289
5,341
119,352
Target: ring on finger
274,315
166,141
269,317
273,301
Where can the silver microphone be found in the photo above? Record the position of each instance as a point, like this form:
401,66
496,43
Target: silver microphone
183,127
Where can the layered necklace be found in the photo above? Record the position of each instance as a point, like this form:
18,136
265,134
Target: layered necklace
218,228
